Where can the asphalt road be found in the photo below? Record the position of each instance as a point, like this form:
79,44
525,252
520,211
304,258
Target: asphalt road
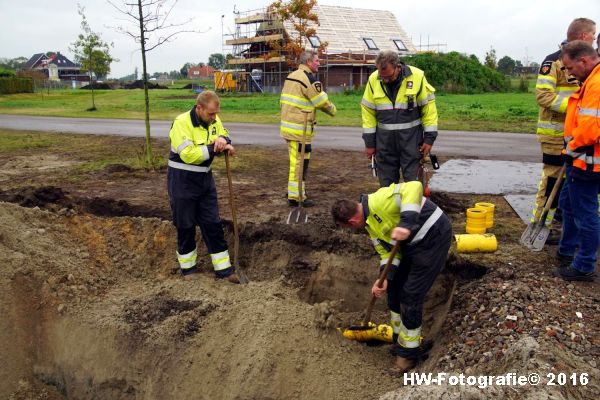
480,145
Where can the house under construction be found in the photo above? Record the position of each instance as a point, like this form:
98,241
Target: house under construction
354,38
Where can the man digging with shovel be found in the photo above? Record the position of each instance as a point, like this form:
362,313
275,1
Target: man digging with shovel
399,212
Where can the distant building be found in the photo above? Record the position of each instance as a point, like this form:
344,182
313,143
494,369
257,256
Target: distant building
354,38
56,67
198,72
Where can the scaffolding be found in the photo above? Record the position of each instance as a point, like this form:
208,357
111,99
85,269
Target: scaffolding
257,66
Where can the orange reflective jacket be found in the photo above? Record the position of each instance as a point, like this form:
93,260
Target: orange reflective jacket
582,125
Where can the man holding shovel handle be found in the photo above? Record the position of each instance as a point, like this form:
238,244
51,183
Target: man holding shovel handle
395,213
196,137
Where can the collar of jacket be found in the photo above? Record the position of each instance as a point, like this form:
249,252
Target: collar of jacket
364,200
196,122
305,68
406,71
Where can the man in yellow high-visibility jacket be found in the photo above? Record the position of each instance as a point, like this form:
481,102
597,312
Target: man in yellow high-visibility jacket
197,136
399,118
399,212
301,91
552,90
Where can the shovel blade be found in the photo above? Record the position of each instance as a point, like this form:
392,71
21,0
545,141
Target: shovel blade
243,277
529,234
297,216
539,240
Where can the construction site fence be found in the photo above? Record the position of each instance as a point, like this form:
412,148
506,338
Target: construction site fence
272,82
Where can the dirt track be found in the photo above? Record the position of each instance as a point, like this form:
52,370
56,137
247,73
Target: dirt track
94,308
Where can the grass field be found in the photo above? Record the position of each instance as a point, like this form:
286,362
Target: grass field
503,112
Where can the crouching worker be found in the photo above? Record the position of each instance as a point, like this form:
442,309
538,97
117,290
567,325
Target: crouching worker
196,137
399,212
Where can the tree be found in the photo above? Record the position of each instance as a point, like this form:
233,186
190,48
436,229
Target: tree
13,63
91,52
506,65
300,14
150,27
216,60
185,68
490,58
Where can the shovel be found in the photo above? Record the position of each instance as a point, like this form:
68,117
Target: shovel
299,215
366,323
537,231
236,236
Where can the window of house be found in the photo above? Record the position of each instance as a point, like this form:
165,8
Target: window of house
400,45
370,43
315,42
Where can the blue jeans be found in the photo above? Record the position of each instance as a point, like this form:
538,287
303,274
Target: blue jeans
581,226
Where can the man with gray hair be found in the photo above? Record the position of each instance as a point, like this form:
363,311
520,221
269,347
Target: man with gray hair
302,91
552,91
399,118
579,196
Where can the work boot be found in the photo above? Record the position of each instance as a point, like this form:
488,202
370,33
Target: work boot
402,364
565,261
305,203
233,278
553,237
190,273
571,274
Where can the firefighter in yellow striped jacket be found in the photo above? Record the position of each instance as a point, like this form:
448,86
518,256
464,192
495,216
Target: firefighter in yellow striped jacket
399,212
552,91
301,91
399,118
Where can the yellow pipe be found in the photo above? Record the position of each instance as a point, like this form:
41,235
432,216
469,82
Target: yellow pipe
476,243
489,215
475,220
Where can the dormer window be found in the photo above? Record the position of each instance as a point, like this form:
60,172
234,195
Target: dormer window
370,43
315,42
400,45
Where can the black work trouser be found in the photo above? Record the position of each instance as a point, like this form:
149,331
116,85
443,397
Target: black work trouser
409,283
197,206
398,151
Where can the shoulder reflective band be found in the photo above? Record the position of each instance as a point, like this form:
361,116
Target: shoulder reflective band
427,226
187,167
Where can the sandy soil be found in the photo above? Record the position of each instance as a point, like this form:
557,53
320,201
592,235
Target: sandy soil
94,308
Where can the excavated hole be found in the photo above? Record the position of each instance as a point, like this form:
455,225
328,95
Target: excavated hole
324,265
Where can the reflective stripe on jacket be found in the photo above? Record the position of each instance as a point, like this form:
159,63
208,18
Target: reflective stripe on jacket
302,91
191,139
412,111
582,126
552,91
398,205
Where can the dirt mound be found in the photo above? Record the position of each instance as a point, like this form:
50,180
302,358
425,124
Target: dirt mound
55,199
97,85
139,84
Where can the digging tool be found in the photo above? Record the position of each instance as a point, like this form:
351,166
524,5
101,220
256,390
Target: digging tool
382,277
373,166
375,332
236,236
299,215
534,237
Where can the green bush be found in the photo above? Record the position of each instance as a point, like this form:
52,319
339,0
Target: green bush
456,73
6,72
16,85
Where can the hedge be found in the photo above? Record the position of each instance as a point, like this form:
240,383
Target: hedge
456,73
16,85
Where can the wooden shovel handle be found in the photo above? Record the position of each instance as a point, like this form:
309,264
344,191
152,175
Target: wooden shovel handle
236,239
382,278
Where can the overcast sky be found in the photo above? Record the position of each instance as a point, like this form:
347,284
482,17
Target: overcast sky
523,29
